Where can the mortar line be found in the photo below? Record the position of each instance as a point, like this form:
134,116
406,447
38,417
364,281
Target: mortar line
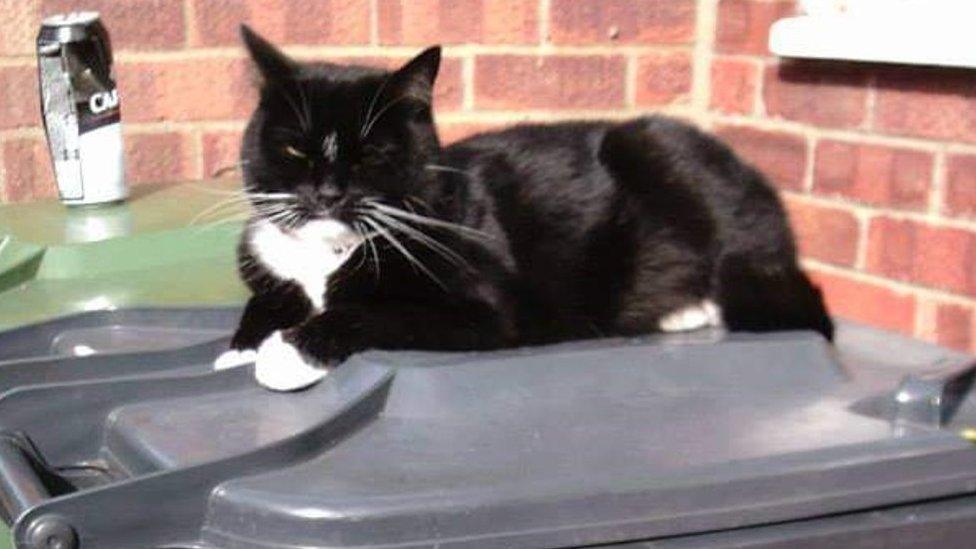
374,22
544,27
888,283
871,101
811,158
924,322
468,82
863,230
874,211
3,172
706,22
630,82
196,140
189,23
936,203
758,102
847,135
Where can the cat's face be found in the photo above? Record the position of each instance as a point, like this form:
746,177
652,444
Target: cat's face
326,140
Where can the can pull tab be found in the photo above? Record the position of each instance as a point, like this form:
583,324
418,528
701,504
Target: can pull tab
49,49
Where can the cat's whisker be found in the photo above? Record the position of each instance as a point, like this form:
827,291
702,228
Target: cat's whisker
235,218
408,200
207,189
402,249
375,253
278,196
236,199
304,103
439,247
291,219
440,168
372,105
227,168
424,220
216,208
388,106
275,216
357,228
299,113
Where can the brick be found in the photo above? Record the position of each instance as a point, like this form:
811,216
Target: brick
931,103
867,302
27,169
448,90
21,19
824,233
960,192
449,87
339,22
743,25
946,259
221,154
823,94
622,21
891,248
874,174
954,326
781,156
549,82
197,89
133,24
158,158
939,257
663,79
734,85
424,22
149,158
19,100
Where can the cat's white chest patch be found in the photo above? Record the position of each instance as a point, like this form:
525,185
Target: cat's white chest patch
306,256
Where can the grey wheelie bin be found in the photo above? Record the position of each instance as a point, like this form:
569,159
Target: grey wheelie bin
116,433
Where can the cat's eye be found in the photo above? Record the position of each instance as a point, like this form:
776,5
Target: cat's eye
293,152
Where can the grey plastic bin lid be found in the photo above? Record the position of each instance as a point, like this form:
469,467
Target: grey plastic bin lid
695,437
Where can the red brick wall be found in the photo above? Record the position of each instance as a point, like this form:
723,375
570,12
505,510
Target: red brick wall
877,164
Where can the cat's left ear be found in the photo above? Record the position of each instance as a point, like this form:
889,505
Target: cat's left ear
275,66
415,79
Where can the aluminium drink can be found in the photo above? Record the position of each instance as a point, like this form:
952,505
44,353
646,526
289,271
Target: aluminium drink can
80,107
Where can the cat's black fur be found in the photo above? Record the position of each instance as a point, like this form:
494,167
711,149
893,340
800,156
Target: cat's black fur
576,230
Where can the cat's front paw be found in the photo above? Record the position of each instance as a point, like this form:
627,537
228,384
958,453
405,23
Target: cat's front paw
234,358
280,366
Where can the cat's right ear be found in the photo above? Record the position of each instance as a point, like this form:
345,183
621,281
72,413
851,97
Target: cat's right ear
273,65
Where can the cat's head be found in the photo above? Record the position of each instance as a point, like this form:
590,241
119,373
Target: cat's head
326,139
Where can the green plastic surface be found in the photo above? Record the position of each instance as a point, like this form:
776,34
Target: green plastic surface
165,246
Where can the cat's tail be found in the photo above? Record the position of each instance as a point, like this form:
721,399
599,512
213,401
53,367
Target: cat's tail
759,297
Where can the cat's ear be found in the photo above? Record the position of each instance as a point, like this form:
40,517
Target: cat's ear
273,65
416,78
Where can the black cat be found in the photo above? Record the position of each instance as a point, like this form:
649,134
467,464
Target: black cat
368,234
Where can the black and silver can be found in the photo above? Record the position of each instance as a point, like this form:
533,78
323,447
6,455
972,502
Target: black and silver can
80,106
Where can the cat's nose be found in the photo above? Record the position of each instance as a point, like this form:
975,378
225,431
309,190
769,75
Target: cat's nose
318,197
329,194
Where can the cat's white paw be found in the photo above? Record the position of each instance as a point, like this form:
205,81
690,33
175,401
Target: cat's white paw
234,358
280,366
713,311
691,317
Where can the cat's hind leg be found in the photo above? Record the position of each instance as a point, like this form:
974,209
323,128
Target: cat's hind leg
769,294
